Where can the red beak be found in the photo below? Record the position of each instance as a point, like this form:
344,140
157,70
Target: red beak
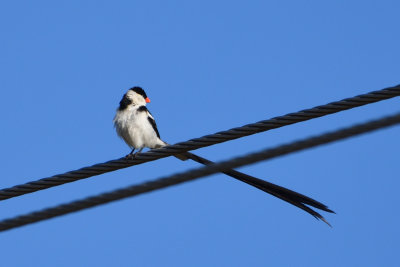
147,100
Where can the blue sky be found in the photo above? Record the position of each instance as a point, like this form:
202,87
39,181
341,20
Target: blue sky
207,66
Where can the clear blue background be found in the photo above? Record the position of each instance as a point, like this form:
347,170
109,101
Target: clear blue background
207,66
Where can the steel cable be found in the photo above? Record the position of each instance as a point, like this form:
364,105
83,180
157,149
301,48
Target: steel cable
190,175
204,141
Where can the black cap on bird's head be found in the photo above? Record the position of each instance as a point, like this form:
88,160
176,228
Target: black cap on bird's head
136,96
140,91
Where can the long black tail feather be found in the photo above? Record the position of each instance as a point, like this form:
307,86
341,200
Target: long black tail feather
290,196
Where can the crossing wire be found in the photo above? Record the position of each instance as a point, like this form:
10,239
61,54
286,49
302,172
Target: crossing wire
204,141
190,175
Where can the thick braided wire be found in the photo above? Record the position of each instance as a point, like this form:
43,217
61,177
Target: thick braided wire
204,141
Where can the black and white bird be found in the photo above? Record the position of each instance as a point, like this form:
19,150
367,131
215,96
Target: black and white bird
137,127
134,122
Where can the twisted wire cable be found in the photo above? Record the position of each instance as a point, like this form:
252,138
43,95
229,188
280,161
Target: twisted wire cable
204,141
193,174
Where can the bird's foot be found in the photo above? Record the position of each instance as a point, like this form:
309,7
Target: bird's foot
130,156
133,155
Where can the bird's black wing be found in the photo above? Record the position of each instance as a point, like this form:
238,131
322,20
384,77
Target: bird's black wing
153,123
150,119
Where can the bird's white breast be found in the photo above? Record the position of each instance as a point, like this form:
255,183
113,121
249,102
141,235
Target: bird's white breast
135,129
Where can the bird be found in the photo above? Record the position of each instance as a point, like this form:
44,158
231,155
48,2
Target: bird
137,127
134,122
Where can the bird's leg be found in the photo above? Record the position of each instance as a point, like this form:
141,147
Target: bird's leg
140,150
130,155
133,155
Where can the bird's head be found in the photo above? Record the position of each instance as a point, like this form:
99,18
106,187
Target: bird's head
136,96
